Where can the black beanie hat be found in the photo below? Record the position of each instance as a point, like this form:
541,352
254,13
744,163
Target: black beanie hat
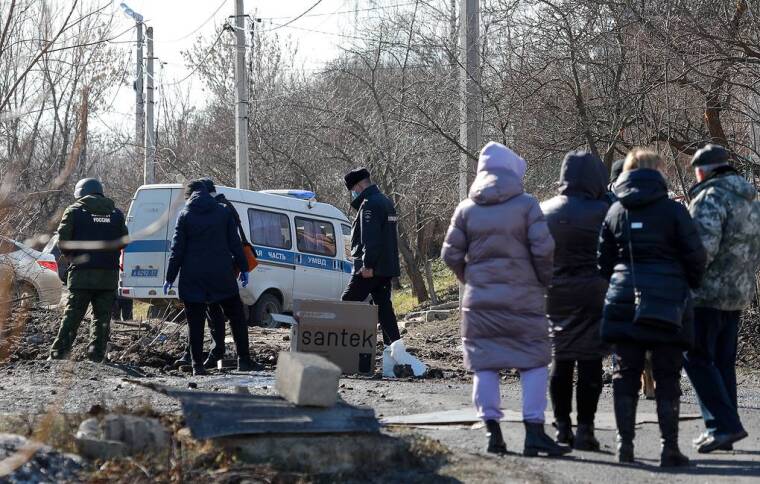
710,155
355,176
209,184
195,186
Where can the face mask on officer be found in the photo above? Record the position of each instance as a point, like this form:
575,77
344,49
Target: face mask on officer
354,195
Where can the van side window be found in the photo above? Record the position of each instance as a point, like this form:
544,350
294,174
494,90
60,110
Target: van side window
346,240
269,229
315,236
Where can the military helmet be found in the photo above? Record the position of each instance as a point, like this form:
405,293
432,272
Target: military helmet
88,186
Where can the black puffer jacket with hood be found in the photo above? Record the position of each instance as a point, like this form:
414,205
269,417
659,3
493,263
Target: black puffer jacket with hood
668,258
205,249
575,300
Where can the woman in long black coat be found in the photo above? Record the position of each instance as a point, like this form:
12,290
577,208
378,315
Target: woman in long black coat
205,250
576,297
665,260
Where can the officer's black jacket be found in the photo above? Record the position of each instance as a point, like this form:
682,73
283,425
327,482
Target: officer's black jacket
374,235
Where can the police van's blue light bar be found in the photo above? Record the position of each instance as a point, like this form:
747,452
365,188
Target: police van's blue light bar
300,194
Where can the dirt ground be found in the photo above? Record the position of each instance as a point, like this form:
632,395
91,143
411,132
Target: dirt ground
31,387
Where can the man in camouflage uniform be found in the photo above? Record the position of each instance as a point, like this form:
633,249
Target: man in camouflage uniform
91,233
728,220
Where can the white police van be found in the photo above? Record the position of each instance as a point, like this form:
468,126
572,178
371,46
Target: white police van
303,247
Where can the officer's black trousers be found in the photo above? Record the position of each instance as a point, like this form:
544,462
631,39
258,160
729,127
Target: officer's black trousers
359,289
196,321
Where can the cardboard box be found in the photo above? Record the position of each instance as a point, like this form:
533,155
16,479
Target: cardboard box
343,332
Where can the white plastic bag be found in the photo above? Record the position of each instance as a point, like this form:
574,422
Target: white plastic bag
388,363
399,356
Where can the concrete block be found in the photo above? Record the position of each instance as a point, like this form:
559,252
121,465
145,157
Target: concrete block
307,379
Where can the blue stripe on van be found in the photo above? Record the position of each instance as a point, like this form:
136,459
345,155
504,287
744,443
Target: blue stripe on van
148,246
262,253
275,255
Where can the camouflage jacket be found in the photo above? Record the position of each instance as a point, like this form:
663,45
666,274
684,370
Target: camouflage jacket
728,220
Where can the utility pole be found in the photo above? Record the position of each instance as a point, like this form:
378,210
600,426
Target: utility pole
139,100
138,85
469,95
149,169
241,100
469,91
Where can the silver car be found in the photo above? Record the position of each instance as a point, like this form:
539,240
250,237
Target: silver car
34,274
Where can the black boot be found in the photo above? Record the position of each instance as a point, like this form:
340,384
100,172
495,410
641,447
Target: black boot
585,439
564,433
496,443
537,442
199,370
625,417
667,416
247,364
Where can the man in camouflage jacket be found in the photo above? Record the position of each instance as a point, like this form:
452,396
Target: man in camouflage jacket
727,216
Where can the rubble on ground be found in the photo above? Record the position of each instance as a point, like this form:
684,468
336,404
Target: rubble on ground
45,466
120,436
151,343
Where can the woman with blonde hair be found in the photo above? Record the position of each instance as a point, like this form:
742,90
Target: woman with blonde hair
651,253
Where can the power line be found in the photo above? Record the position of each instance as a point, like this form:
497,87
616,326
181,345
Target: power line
211,17
297,17
202,61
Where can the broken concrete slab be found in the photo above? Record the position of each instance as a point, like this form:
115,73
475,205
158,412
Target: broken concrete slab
121,435
321,454
307,379
211,415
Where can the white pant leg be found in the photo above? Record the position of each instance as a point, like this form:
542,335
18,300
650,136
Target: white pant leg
486,395
534,382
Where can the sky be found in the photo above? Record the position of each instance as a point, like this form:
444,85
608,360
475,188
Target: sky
177,24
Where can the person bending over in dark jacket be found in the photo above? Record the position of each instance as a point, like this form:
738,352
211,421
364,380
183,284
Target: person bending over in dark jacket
575,217
651,253
206,248
374,248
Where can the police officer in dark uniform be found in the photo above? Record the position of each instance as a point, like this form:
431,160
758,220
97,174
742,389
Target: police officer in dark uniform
374,248
91,234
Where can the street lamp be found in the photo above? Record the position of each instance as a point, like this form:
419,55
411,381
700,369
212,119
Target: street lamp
138,87
128,11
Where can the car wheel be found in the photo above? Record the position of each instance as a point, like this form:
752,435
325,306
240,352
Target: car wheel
267,305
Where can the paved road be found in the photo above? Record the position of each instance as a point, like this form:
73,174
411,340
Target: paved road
31,387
